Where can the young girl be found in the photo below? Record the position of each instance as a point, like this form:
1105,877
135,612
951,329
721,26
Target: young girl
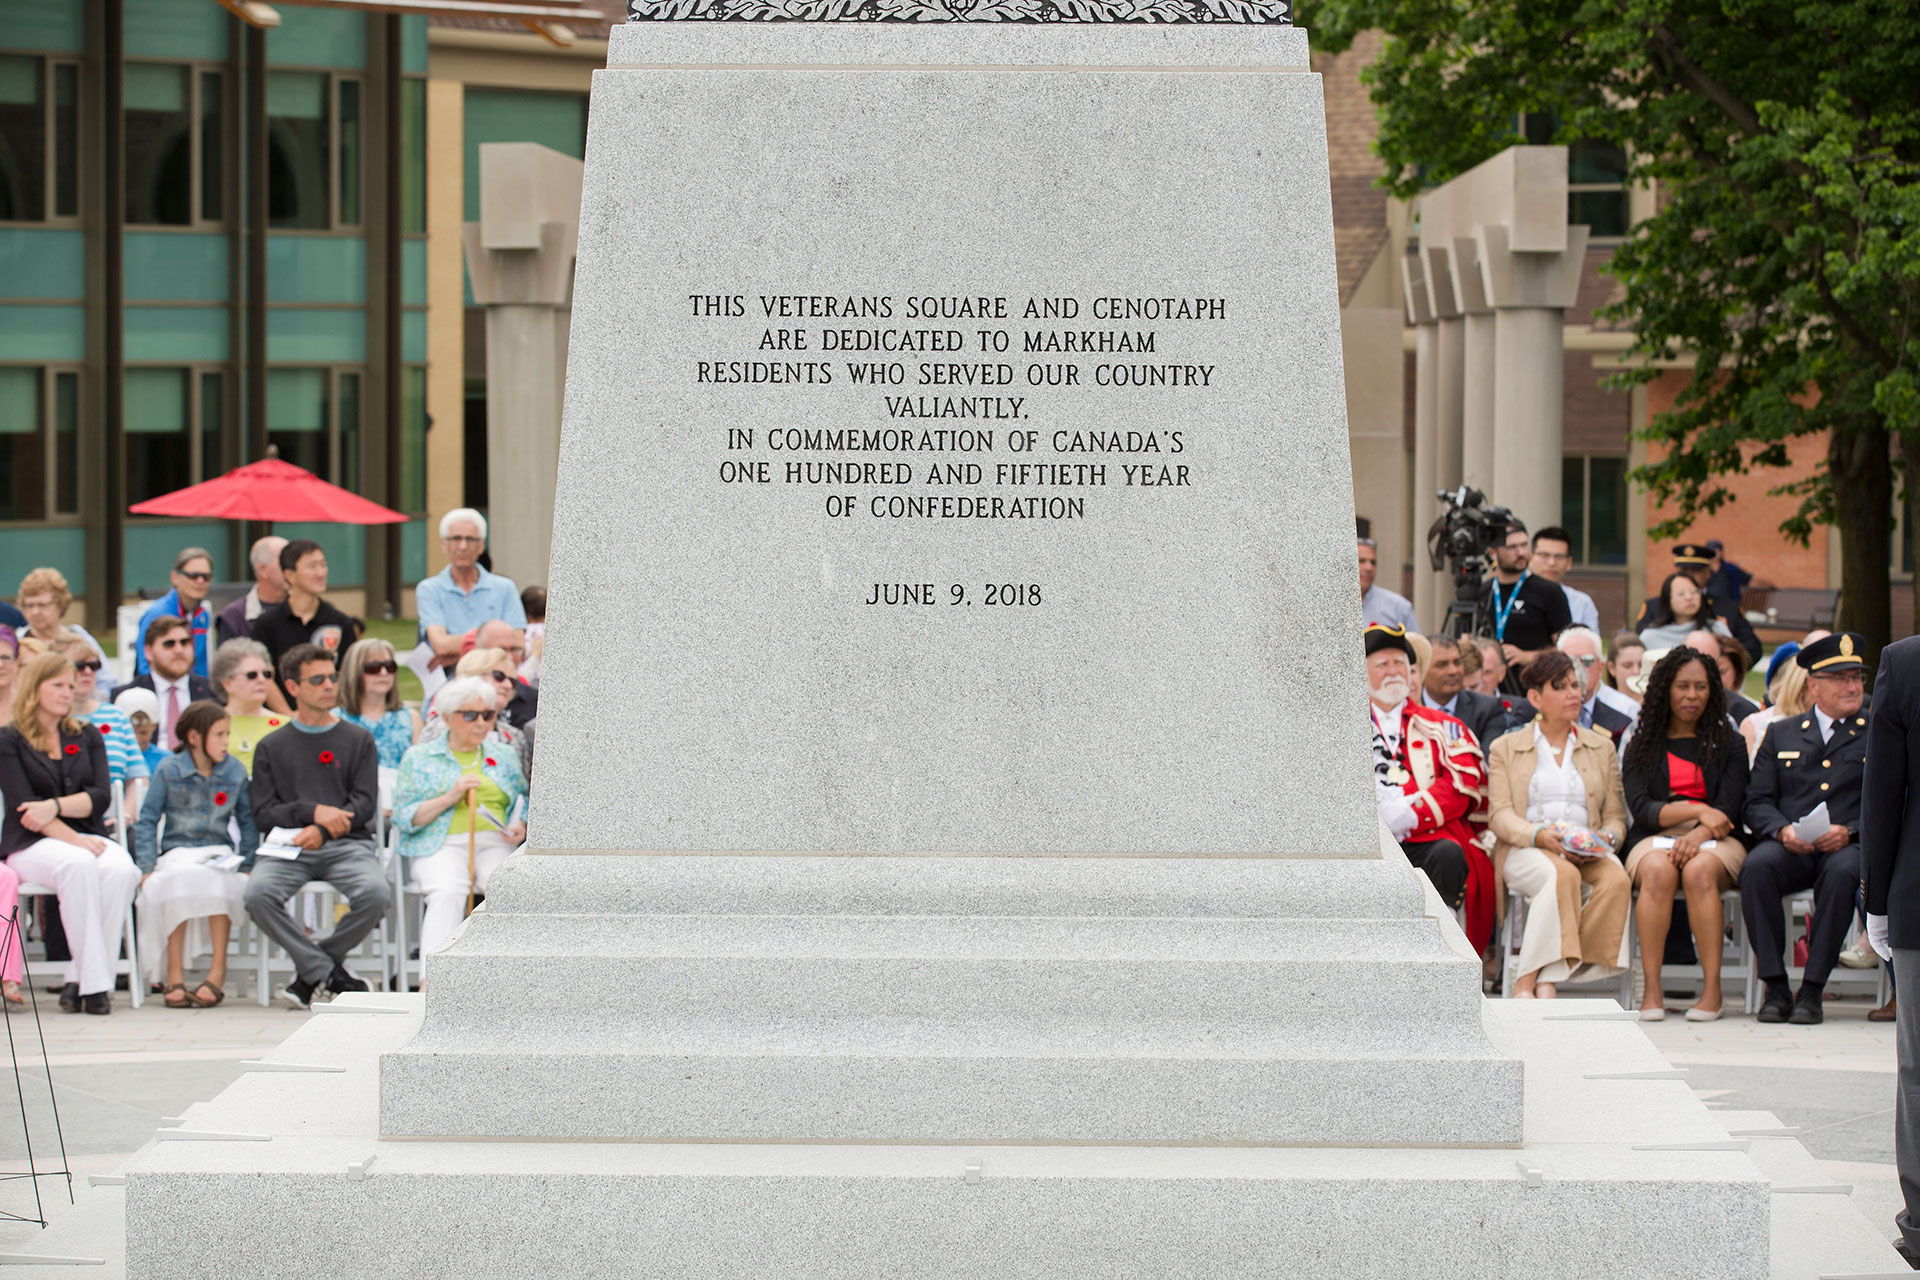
194,867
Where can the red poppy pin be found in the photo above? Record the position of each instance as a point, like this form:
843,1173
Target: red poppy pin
272,723
326,757
492,763
105,729
73,749
219,797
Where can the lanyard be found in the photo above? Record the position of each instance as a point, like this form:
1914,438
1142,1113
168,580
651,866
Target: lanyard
1500,610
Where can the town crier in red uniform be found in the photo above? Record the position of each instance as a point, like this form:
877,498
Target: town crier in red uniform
1430,782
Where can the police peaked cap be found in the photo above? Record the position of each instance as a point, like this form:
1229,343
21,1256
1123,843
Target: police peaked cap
1835,653
1690,554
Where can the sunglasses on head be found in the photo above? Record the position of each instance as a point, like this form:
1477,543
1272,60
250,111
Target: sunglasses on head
471,716
380,668
194,577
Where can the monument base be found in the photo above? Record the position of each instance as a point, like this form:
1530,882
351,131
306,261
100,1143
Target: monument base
1623,1172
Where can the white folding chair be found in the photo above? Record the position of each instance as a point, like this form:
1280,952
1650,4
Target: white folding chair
1510,936
1736,958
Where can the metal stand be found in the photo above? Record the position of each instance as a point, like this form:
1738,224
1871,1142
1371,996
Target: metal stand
10,936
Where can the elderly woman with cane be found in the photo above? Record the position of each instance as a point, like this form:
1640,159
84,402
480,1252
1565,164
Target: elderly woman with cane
456,806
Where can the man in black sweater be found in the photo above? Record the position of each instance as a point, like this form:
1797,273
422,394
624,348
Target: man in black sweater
323,783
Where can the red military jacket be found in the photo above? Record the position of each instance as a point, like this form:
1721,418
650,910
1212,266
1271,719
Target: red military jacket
1446,783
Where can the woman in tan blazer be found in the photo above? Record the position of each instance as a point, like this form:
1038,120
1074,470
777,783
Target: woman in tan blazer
1554,771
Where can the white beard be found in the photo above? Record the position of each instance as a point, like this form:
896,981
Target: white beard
1392,692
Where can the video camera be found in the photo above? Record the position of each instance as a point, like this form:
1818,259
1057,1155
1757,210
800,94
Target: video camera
1459,540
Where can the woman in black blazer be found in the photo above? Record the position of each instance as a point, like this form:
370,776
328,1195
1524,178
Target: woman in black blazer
53,775
1685,772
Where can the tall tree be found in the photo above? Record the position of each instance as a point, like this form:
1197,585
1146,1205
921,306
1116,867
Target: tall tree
1784,258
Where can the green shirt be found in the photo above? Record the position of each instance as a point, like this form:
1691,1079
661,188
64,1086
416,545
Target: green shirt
492,798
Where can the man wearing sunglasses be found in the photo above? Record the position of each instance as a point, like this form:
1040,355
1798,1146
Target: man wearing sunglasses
319,777
192,577
168,671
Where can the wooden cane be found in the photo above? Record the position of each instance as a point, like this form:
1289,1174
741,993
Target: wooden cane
473,816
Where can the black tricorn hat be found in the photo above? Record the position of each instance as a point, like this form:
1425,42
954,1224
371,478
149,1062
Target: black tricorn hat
1381,636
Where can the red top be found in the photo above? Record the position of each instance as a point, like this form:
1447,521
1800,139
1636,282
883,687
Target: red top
1685,779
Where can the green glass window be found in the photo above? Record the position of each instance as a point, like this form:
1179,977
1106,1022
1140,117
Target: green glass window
23,139
350,153
1593,507
213,411
66,443
159,450
212,149
299,167
349,474
413,155
297,412
66,140
23,444
159,145
413,439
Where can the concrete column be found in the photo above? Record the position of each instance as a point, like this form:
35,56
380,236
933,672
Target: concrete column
520,258
1426,447
1529,290
1377,428
446,312
1476,408
1450,356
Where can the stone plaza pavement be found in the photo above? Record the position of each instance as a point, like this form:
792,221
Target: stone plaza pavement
119,1078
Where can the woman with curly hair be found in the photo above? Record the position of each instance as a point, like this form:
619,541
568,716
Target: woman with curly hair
1686,777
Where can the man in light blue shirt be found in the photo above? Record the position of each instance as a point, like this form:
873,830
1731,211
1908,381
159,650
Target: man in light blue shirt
462,596
1377,604
1552,557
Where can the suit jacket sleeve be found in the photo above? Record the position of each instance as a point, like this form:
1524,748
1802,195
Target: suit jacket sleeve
1883,796
1763,814
99,788
1509,826
270,807
1613,805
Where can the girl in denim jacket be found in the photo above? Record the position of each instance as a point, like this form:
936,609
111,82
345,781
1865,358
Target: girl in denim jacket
195,865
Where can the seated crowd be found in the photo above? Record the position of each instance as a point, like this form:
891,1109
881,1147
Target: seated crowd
1598,782
251,756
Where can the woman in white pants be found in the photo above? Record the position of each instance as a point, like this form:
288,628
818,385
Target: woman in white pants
53,773
456,806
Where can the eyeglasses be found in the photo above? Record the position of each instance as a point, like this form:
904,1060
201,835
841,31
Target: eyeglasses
92,664
173,644
317,681
194,577
1584,662
252,675
462,539
380,668
516,651
500,677
471,716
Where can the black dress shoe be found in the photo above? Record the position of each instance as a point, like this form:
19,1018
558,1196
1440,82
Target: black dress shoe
70,998
1908,1254
100,1002
1777,1005
1807,1009
341,983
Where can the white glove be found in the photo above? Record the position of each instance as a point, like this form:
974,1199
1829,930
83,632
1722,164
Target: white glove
1399,817
1877,937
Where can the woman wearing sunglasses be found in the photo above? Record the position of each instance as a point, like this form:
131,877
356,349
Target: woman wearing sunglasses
498,669
243,673
370,698
455,805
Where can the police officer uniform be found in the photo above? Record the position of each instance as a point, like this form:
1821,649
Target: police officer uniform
1695,561
1890,846
1804,761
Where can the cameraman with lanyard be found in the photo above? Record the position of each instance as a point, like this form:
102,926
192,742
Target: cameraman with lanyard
1525,611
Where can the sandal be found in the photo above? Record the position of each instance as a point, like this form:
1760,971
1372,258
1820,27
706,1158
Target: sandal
218,995
186,997
10,992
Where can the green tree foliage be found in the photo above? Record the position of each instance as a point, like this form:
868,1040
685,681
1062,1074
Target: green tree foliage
1784,135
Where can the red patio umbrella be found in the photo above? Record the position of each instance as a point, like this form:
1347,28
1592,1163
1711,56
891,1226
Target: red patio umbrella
269,490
